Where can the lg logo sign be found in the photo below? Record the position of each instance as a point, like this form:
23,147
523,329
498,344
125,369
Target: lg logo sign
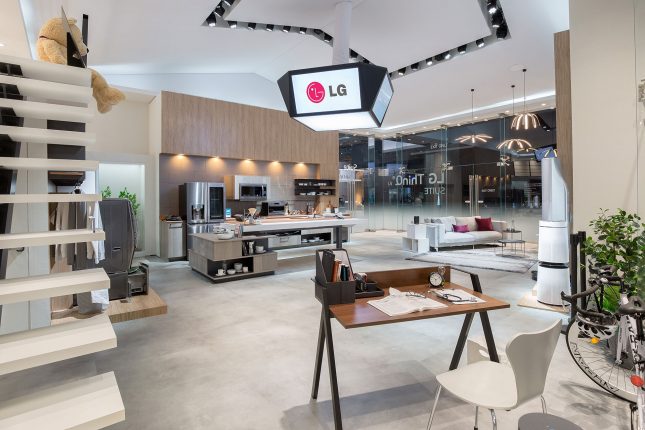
316,92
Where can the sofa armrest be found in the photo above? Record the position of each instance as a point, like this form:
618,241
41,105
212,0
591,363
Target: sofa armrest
500,226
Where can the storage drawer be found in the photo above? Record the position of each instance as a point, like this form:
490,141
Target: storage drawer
284,241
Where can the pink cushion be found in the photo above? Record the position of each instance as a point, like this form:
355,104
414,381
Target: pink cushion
484,224
460,228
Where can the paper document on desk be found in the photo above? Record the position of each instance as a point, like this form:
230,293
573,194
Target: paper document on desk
399,303
457,297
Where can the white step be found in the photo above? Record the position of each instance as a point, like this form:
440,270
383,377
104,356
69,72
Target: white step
49,198
19,240
43,135
50,72
32,348
17,163
87,404
28,109
45,90
52,285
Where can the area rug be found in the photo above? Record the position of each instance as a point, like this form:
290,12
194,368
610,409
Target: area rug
483,258
529,300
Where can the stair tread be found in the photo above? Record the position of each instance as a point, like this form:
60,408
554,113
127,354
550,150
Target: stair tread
44,135
33,109
86,404
49,198
18,240
16,163
32,348
46,90
52,285
49,71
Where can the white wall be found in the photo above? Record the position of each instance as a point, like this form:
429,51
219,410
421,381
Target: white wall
604,108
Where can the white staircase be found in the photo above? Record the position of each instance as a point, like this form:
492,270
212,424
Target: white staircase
90,403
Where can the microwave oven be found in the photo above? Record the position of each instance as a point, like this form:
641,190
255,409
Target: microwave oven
254,192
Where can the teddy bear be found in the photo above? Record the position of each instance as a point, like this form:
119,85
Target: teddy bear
52,47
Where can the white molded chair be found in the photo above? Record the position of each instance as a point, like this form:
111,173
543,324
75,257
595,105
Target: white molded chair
492,385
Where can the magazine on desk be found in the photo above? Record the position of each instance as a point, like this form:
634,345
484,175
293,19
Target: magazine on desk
401,303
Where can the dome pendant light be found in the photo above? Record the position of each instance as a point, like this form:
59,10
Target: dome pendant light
515,144
525,120
473,138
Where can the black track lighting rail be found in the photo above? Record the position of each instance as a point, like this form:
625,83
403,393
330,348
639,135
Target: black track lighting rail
491,9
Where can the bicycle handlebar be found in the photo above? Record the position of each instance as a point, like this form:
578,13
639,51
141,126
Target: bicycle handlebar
572,299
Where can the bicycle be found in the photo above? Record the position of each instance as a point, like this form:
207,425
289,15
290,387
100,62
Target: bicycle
609,347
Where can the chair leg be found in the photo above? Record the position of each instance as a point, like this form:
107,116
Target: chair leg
543,404
476,416
494,418
434,407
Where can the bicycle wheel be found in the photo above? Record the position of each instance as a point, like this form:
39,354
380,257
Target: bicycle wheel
598,362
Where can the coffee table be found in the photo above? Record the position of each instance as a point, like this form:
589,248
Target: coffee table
514,244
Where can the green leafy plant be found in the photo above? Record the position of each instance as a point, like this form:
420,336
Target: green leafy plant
619,241
125,194
107,192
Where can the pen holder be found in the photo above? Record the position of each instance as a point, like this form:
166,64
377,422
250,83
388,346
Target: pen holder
337,292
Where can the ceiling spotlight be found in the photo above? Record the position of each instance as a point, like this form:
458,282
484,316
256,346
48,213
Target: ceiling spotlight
228,3
480,43
286,28
438,57
502,31
497,19
318,31
429,61
251,26
491,5
232,24
414,67
327,38
447,55
401,71
462,49
211,20
269,27
219,11
302,30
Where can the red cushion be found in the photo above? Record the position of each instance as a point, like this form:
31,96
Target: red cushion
484,224
460,228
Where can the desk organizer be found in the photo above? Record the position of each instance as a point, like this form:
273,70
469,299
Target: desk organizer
337,292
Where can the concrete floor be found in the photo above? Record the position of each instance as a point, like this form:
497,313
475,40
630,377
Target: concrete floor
240,355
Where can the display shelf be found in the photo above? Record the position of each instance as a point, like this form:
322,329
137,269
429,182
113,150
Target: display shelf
321,187
39,110
48,198
418,246
35,88
31,348
19,240
18,163
85,404
53,285
50,72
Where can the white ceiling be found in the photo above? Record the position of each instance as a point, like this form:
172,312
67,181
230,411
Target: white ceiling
161,44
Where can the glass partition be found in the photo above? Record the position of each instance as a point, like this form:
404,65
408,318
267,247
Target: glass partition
639,40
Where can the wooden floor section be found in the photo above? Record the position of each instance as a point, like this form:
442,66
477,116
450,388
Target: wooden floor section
143,306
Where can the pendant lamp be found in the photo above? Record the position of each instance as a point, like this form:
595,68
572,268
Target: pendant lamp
515,144
473,138
525,120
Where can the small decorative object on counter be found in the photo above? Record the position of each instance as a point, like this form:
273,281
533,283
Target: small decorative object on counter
416,219
251,247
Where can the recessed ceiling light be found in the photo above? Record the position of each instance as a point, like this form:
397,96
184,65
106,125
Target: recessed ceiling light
462,49
251,26
211,20
429,62
491,5
447,55
480,43
543,104
228,3
302,30
232,24
414,67
1,45
497,19
219,11
401,71
327,38
476,117
502,31
269,27
286,28
507,111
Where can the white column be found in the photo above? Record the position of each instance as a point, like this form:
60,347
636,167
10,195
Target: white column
342,24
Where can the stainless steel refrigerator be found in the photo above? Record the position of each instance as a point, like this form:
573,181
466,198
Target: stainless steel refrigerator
203,206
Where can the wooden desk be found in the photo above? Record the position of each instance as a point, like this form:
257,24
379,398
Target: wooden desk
361,314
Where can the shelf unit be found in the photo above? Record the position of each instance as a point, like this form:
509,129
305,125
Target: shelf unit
55,92
320,187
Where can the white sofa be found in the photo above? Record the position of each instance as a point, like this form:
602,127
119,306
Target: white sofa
441,234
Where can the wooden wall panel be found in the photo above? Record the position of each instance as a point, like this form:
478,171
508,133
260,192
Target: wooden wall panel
563,104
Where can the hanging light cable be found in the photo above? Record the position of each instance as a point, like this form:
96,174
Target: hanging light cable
512,143
473,138
525,120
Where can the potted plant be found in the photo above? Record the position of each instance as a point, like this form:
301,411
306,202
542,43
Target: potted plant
619,241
